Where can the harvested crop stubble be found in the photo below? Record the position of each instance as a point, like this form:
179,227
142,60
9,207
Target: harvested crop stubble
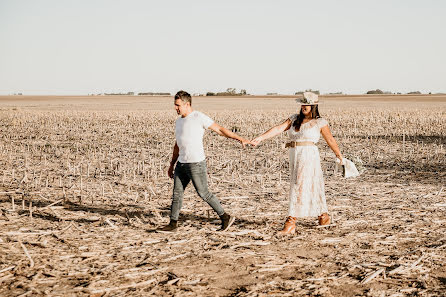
81,189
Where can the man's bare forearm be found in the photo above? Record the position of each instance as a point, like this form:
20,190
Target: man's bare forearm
175,154
229,134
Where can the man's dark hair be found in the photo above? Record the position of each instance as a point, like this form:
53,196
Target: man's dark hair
184,96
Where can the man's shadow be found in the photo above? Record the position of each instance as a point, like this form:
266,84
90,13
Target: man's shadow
190,219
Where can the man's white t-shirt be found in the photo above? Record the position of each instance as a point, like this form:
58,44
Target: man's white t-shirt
189,133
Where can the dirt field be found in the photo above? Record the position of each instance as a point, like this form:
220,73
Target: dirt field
83,185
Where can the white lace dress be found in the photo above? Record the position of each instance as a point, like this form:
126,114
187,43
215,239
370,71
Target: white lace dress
307,194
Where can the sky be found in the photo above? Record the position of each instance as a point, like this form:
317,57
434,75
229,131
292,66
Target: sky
95,46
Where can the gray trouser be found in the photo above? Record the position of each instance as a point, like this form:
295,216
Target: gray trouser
197,172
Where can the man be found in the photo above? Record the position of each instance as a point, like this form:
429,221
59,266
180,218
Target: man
191,165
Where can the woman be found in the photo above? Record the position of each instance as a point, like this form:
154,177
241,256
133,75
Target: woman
307,195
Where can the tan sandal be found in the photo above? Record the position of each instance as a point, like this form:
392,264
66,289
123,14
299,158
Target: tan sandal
324,219
290,226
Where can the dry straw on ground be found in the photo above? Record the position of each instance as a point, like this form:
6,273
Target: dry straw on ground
83,184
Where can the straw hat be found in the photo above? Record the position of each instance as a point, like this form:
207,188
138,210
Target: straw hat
309,98
347,168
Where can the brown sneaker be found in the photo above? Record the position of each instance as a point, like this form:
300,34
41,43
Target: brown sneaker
226,222
324,219
172,227
290,226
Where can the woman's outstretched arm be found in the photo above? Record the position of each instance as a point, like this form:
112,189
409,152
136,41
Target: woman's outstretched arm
272,132
326,133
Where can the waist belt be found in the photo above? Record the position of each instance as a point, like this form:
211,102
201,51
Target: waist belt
295,143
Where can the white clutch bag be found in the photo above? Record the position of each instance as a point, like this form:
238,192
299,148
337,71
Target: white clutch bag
347,168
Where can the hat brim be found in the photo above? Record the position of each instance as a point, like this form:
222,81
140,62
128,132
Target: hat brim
298,100
301,103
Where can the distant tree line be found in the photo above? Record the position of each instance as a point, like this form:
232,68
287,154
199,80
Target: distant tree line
120,94
139,94
229,92
242,92
154,94
378,91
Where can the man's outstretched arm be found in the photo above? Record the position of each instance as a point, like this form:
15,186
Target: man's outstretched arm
175,154
227,133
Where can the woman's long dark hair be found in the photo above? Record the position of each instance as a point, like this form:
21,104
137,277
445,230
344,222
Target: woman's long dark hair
314,114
